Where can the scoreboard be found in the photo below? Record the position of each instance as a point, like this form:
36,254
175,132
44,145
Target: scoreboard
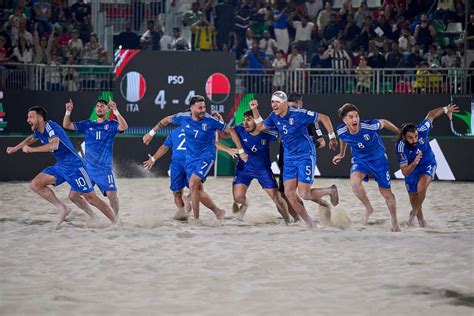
150,85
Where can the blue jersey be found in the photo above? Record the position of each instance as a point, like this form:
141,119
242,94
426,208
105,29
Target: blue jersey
200,135
256,147
366,144
99,139
293,129
177,142
406,153
65,155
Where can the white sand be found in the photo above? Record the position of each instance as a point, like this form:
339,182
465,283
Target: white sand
154,265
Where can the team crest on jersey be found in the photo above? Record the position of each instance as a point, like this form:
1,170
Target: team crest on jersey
366,136
263,142
421,141
204,127
106,127
291,121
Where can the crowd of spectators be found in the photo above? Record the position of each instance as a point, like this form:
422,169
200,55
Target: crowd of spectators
49,32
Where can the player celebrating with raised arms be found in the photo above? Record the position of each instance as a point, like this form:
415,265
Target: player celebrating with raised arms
257,165
417,160
199,128
368,157
176,140
99,137
300,153
69,166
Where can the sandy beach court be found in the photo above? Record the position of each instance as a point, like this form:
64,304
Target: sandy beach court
155,265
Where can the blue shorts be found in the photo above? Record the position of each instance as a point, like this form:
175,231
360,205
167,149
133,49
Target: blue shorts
76,177
265,177
411,181
104,178
301,169
178,175
379,169
200,166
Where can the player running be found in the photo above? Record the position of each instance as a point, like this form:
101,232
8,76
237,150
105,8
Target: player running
300,153
99,137
257,165
199,128
417,160
368,157
69,166
176,140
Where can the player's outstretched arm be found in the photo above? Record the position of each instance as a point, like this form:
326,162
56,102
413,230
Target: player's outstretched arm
256,115
326,121
342,152
157,155
26,142
149,136
233,152
67,124
46,148
123,126
390,126
448,110
238,144
408,168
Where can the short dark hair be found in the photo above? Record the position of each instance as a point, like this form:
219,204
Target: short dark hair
407,128
196,99
40,111
102,101
295,97
248,113
346,108
176,29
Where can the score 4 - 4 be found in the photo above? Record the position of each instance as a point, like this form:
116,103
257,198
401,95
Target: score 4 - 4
160,99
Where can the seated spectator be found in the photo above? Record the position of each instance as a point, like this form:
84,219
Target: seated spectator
366,33
432,56
42,11
254,59
268,44
376,59
447,61
422,74
332,30
345,10
424,32
79,11
43,47
350,33
70,75
203,35
178,39
21,32
128,39
295,59
357,56
383,32
91,50
362,13
150,40
414,59
75,46
318,61
53,74
406,41
394,58
85,29
23,53
364,76
324,16
280,65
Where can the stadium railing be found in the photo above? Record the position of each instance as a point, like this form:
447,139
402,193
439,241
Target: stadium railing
39,77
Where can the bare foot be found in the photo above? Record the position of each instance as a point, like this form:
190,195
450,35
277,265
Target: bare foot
187,204
365,216
220,216
410,220
181,215
395,226
334,195
422,223
243,209
62,215
235,208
